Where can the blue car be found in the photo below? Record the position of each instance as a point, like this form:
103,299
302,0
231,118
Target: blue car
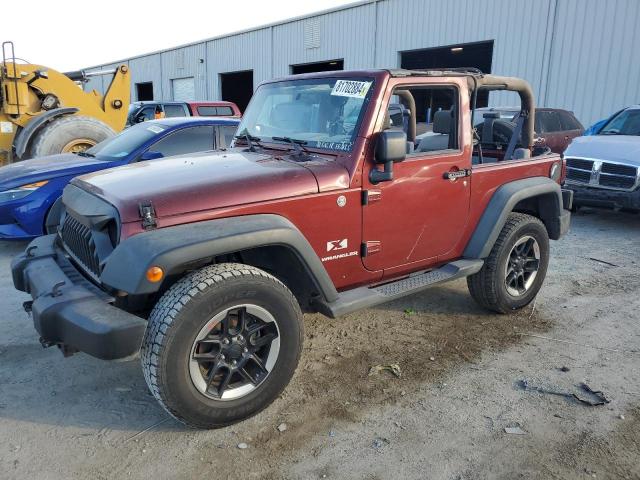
30,190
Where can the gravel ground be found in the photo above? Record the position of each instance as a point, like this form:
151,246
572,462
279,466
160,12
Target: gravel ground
443,418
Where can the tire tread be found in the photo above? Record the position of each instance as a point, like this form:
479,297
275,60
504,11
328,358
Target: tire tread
168,308
482,285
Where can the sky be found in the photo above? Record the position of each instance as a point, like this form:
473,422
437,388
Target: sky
70,34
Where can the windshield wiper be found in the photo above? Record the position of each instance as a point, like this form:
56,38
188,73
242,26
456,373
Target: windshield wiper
298,145
85,154
250,139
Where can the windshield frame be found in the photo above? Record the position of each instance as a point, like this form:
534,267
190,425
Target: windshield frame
268,141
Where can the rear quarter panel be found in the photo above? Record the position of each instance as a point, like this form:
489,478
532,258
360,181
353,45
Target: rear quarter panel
487,178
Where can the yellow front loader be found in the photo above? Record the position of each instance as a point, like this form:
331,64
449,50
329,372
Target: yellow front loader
45,112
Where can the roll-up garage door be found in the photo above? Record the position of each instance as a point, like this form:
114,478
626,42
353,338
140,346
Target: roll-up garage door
183,89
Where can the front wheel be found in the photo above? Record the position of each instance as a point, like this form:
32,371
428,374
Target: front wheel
515,269
222,344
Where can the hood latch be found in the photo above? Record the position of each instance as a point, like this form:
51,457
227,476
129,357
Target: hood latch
148,215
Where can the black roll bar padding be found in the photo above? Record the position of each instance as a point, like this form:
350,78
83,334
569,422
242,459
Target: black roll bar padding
522,87
406,95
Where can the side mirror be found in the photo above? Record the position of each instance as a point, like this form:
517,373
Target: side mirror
391,147
150,155
139,118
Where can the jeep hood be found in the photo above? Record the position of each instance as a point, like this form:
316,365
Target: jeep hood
206,181
616,148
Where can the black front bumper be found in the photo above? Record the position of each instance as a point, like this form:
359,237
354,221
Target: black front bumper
605,198
70,311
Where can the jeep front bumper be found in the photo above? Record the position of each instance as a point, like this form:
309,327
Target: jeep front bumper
70,311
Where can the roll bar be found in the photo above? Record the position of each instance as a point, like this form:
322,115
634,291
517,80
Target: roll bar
512,84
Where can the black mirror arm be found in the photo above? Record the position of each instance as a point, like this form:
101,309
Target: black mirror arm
376,176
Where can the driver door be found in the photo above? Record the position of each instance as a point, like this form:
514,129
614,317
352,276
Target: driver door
420,216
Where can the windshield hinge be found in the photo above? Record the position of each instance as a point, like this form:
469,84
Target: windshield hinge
148,215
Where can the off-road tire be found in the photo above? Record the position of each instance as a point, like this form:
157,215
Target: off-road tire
487,287
52,138
182,312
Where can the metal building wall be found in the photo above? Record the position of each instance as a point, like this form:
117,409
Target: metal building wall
148,69
577,54
347,34
185,62
243,51
594,66
517,27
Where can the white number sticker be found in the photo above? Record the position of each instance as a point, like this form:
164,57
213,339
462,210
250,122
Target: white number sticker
350,88
155,129
6,127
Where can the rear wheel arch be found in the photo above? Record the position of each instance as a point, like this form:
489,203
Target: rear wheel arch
544,206
537,196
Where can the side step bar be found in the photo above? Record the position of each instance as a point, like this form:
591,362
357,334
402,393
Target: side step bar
364,297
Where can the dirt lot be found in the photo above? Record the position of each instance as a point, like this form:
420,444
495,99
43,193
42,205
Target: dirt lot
444,418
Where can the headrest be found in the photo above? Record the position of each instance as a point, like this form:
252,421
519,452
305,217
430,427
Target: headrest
442,121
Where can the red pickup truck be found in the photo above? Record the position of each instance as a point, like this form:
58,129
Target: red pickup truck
204,265
150,110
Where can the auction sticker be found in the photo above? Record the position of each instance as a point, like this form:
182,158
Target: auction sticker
6,127
350,88
155,129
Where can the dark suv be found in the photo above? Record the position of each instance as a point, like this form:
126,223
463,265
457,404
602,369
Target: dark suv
554,128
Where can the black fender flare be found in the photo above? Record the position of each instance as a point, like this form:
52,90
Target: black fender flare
172,248
503,202
26,134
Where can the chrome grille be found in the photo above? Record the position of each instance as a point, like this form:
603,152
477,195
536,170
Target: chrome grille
579,175
580,163
79,242
617,181
597,173
579,170
617,169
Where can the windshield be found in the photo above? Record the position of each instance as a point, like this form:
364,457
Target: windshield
124,143
626,122
322,112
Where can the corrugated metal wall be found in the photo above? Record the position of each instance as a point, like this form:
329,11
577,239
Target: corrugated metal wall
148,69
183,63
348,34
577,54
594,66
516,26
244,51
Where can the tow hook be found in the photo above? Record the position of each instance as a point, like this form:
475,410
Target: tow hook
55,291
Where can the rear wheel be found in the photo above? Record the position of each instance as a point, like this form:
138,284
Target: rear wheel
516,267
69,134
222,344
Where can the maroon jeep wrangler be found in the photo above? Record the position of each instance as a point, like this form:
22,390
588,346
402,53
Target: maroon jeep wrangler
327,203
